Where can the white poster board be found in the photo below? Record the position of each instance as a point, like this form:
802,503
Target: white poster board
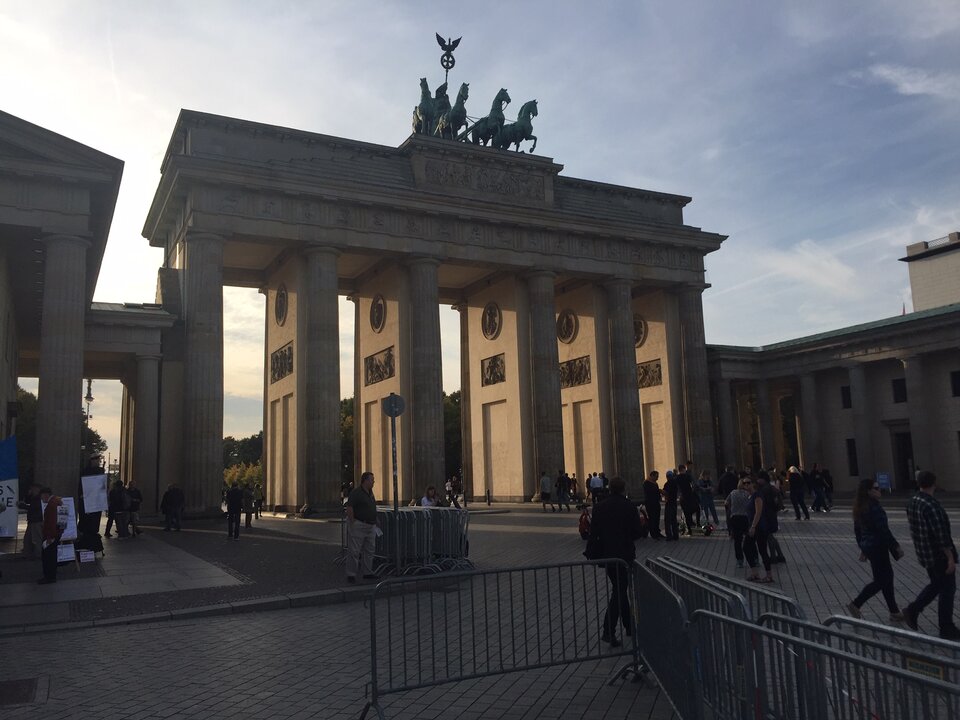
9,490
66,553
94,488
66,518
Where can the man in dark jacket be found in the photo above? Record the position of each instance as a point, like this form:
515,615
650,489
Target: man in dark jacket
651,503
171,505
671,493
616,525
234,506
33,536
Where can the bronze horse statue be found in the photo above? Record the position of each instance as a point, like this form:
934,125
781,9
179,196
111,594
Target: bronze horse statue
487,127
522,129
449,124
423,114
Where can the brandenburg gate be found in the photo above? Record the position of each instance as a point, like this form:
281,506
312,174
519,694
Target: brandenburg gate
581,323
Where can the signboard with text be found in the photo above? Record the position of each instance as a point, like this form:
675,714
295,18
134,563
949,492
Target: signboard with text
9,487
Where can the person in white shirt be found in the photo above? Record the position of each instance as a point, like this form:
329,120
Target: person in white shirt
430,498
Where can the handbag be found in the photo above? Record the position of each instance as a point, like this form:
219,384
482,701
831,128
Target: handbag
594,548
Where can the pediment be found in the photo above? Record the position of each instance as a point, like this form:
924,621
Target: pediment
33,145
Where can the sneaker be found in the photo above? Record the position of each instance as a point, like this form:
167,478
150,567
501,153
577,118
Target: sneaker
897,616
854,611
910,618
950,633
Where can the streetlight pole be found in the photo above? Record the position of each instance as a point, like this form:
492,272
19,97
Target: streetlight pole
88,398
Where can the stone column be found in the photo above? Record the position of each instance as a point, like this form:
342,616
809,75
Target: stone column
203,371
545,371
146,429
359,432
810,430
862,416
918,413
766,423
727,424
426,420
628,439
59,416
466,434
696,384
322,368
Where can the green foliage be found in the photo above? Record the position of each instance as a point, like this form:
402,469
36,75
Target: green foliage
244,473
346,439
245,451
452,443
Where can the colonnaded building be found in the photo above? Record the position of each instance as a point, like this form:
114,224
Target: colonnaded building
581,333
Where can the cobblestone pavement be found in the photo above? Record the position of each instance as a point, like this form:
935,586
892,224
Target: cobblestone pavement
313,662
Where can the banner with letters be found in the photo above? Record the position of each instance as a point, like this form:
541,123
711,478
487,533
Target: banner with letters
9,487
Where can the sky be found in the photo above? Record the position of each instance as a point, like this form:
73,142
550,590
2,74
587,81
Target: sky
822,137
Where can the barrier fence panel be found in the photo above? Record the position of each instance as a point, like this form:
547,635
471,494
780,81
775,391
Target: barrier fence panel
699,593
664,641
759,599
905,638
464,625
883,651
793,678
431,540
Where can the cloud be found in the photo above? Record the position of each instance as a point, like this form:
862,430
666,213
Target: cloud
916,81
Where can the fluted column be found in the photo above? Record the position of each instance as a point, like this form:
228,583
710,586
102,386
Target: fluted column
59,416
919,426
426,368
322,367
203,371
545,371
696,384
810,432
727,424
628,439
145,429
359,432
466,435
766,423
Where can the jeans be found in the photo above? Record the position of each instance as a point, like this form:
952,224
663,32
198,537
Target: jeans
708,507
882,579
618,609
172,519
738,530
942,585
799,504
819,500
670,525
754,545
233,524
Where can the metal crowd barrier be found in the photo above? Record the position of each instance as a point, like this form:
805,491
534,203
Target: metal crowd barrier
761,673
905,638
664,643
699,593
883,651
431,540
465,625
759,598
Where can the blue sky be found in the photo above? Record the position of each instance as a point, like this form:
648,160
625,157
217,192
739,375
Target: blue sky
822,137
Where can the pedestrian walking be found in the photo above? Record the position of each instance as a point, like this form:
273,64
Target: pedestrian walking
727,483
257,500
171,505
707,505
671,494
737,503
651,503
772,505
930,530
248,506
234,501
361,511
33,535
876,544
563,490
546,486
797,489
118,508
688,498
756,540
819,489
614,528
133,516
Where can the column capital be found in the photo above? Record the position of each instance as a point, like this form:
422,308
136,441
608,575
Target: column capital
617,281
196,236
57,238
915,359
692,288
539,273
314,248
422,260
149,358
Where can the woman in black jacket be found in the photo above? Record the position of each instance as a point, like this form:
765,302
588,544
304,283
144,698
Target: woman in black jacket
876,545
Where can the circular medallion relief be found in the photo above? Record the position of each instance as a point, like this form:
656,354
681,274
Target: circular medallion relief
639,330
280,305
492,321
378,313
567,326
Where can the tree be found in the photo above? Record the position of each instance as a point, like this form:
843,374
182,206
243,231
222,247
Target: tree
452,444
346,439
245,451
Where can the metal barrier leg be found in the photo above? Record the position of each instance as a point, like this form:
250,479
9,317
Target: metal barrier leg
634,668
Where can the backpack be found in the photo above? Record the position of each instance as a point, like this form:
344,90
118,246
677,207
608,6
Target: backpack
584,525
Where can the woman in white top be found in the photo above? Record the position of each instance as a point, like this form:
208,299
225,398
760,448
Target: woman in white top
430,499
